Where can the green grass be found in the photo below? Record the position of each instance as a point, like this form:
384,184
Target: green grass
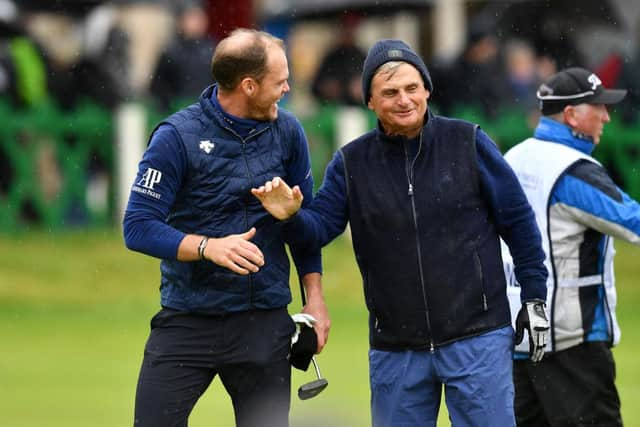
74,315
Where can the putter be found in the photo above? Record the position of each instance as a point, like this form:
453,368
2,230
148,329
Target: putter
313,388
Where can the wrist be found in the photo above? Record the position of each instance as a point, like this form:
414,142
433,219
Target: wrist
290,218
313,285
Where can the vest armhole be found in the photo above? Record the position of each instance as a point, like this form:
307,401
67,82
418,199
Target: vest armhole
474,154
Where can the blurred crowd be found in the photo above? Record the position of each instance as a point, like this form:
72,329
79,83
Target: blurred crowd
489,76
115,51
159,50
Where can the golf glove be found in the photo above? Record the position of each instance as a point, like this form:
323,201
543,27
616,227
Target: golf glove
304,341
533,318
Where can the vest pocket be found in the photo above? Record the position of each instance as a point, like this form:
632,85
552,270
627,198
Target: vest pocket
480,276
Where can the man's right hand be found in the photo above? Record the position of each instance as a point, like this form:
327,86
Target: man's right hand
235,252
281,201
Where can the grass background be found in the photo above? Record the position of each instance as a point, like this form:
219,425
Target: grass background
74,316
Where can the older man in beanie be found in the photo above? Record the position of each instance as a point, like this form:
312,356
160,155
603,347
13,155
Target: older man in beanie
579,211
427,198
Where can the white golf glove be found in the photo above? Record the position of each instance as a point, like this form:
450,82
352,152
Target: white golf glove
533,318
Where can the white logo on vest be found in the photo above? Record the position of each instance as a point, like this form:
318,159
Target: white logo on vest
206,146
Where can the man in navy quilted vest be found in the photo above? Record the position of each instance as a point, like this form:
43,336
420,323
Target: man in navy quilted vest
224,271
427,198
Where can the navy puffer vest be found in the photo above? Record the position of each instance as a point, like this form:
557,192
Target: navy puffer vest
215,200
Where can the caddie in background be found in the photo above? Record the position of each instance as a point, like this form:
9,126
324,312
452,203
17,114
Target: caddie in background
427,198
579,211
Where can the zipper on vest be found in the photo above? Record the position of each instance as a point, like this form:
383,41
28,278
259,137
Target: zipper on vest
246,216
409,165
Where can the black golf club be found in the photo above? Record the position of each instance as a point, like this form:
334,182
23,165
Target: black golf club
313,388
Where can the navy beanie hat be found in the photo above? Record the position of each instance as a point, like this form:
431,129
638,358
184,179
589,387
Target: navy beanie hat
390,50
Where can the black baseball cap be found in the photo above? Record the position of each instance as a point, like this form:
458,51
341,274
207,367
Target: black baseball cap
574,86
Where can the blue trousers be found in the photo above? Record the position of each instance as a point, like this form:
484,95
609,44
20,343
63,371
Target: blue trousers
406,386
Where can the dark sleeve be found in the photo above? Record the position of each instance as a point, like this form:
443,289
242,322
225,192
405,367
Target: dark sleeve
306,257
160,176
326,217
514,218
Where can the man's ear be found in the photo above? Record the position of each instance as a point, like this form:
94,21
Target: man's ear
569,114
370,105
249,86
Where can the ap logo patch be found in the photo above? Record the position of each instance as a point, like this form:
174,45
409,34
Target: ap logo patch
145,185
206,146
150,178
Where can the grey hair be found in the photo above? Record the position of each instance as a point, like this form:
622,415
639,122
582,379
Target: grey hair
389,68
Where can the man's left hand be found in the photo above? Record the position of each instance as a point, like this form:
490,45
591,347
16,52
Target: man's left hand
533,318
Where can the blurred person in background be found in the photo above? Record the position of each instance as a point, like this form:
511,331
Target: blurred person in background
23,66
84,54
476,78
225,271
24,84
521,72
629,79
183,68
579,211
148,25
427,198
337,80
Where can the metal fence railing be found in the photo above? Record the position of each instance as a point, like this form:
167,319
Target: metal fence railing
58,168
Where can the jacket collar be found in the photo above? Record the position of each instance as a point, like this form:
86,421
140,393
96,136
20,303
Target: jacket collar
213,110
554,131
